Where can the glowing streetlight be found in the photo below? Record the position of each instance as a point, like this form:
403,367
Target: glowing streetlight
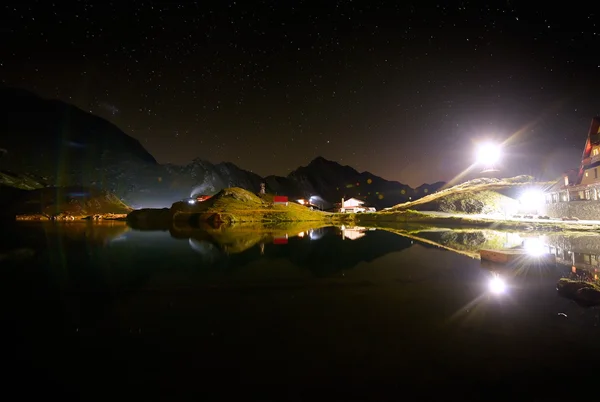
488,154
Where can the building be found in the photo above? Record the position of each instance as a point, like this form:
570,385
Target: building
280,200
583,183
308,203
351,205
201,198
354,205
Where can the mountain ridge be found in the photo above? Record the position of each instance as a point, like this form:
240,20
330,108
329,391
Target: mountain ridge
65,146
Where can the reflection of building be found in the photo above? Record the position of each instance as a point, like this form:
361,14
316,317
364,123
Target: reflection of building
280,239
583,184
584,266
352,233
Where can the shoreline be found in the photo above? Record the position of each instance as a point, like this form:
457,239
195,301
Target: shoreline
408,217
70,218
166,217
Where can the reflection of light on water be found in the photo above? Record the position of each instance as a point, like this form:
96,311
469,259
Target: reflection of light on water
497,285
315,235
119,238
202,247
534,246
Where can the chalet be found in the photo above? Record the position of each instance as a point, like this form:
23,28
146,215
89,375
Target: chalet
280,200
583,183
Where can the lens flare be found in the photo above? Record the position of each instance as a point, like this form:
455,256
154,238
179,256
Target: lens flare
534,247
488,153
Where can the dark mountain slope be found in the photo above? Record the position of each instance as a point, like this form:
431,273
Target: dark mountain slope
50,143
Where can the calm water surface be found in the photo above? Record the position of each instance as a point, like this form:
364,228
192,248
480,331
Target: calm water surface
103,310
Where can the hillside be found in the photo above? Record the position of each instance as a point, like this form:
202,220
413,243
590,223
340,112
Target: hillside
56,144
479,196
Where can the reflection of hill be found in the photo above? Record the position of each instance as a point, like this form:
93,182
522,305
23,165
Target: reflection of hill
89,232
238,238
464,241
322,252
38,236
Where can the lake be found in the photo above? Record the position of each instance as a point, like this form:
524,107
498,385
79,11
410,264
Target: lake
96,310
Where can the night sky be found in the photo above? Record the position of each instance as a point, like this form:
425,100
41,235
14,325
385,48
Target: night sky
401,89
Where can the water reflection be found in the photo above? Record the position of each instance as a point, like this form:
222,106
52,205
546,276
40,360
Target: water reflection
336,303
534,246
497,284
206,249
579,251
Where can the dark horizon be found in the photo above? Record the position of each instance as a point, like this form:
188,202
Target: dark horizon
404,91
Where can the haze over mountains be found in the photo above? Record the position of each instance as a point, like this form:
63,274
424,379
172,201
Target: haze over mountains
50,143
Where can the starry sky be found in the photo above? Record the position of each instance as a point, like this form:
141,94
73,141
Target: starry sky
401,89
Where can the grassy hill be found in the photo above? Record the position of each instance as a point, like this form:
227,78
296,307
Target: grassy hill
230,206
479,196
28,197
63,203
234,205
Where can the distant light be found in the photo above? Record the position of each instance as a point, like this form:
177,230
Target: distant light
191,201
488,153
532,198
301,234
497,285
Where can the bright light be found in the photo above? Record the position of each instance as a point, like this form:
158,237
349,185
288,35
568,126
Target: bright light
488,154
534,246
497,285
301,202
191,202
532,198
301,234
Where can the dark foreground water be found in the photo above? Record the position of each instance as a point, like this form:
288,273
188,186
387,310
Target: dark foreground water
103,311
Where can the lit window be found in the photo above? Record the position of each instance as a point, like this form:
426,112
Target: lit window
595,151
586,174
